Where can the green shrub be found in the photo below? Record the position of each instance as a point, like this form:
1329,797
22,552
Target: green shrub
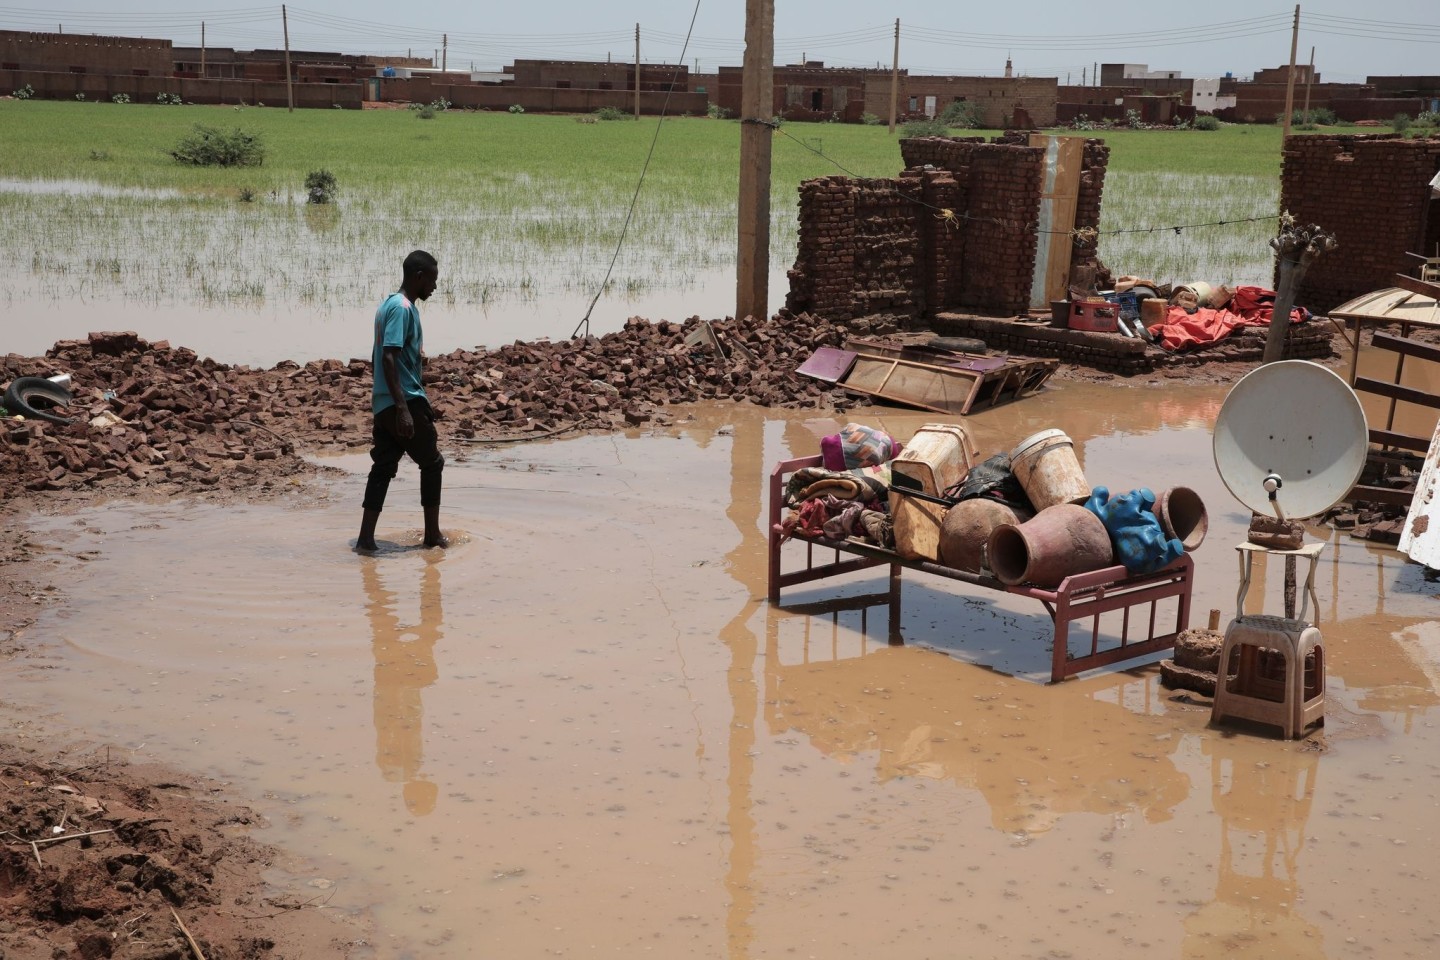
926,128
962,114
1207,122
425,112
247,195
516,108
80,97
1083,122
120,98
209,147
717,112
613,113
1400,122
319,186
168,98
870,120
25,92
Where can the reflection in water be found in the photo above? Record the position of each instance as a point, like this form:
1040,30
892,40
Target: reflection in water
1034,755
404,666
1262,798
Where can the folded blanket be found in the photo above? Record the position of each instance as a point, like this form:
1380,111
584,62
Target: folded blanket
863,485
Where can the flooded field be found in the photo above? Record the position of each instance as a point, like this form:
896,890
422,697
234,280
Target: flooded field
583,731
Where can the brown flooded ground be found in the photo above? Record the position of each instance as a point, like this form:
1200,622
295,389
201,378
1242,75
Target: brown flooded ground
583,730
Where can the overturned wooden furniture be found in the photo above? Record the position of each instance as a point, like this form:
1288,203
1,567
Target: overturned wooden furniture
943,381
1082,597
1411,304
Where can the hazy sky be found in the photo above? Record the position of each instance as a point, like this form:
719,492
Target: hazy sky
1059,38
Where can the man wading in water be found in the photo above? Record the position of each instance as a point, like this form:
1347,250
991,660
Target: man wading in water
404,423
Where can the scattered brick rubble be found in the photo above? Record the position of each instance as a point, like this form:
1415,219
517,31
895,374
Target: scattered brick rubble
150,416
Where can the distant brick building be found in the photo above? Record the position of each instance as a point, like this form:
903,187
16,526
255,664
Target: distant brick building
813,91
84,54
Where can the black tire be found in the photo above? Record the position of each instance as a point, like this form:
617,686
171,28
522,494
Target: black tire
958,344
20,392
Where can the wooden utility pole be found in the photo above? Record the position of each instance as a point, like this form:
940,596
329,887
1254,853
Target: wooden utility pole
895,77
757,107
202,49
637,71
1295,249
444,52
1290,83
1309,79
289,80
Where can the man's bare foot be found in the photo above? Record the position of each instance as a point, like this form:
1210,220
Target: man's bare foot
366,546
438,540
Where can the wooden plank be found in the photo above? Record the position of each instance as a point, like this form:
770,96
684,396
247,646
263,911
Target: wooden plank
1404,441
1396,392
1366,494
1410,348
1059,197
1422,287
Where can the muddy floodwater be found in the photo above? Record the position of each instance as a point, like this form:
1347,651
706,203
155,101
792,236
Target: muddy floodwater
583,731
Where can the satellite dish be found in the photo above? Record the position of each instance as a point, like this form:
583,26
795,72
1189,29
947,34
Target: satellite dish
1290,435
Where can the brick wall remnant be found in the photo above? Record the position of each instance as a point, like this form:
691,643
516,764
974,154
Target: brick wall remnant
1373,194
956,229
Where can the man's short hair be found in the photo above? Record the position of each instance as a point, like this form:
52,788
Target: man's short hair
418,261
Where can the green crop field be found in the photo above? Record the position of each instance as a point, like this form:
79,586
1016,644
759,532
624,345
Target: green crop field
522,205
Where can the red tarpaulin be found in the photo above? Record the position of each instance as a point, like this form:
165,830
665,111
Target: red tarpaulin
1249,307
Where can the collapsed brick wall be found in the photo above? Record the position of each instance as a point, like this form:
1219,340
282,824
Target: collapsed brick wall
1000,237
1085,253
967,215
1373,194
858,246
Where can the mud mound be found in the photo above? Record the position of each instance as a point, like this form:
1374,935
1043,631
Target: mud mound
107,860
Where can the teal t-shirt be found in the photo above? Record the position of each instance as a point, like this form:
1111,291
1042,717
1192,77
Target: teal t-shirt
397,324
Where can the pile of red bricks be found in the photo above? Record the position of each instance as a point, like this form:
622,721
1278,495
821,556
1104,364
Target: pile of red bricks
152,416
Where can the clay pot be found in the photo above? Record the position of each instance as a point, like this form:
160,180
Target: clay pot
967,529
1058,542
1182,516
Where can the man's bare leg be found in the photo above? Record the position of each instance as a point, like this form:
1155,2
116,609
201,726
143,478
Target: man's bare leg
366,540
433,536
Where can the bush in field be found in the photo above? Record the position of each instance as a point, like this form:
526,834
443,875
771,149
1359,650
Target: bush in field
427,111
120,98
926,128
962,114
516,108
870,120
613,113
25,92
168,98
319,186
1400,122
209,147
717,112
80,97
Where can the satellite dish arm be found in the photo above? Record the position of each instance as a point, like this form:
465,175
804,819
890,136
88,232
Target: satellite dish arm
1272,483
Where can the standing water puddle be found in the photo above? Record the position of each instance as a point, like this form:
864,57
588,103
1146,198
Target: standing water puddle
583,730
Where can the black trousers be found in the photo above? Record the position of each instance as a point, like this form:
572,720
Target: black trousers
389,448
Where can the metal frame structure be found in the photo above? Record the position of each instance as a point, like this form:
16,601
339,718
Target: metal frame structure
1081,597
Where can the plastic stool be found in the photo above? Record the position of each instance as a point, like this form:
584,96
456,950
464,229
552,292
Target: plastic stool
1293,701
